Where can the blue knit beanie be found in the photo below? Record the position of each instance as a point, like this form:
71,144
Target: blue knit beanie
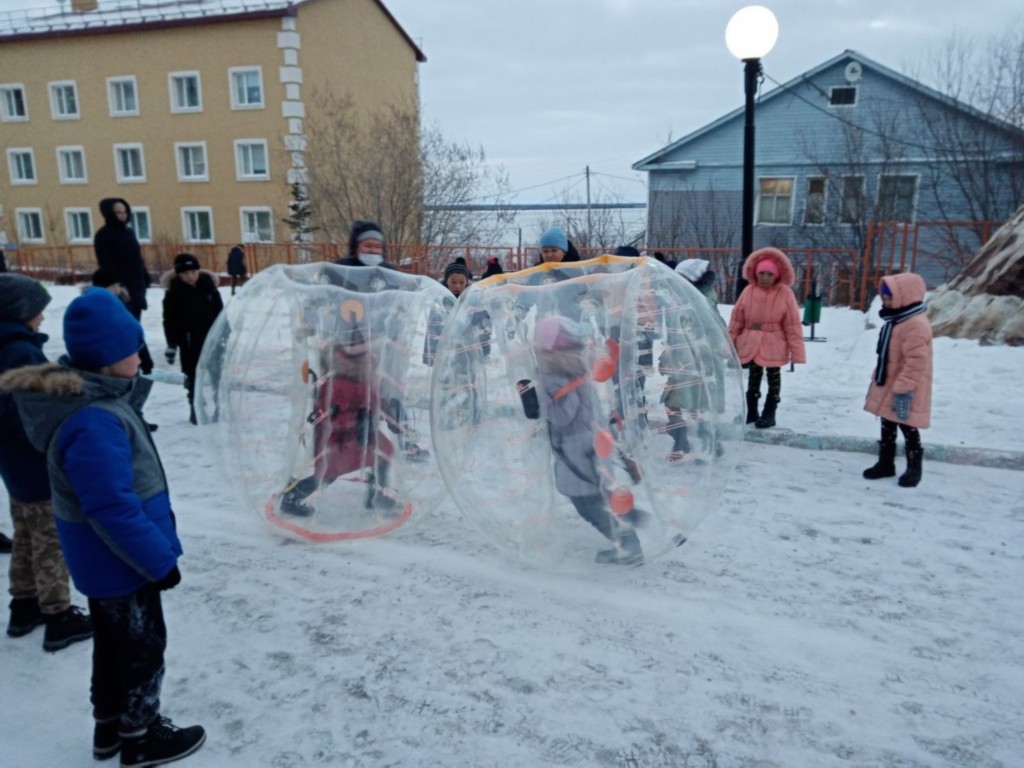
555,238
99,330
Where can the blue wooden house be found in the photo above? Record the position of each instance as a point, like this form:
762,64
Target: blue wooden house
849,155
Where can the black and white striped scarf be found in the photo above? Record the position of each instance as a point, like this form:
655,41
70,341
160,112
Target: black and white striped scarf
892,317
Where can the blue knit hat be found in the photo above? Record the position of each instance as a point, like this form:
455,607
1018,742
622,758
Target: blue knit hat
555,238
99,330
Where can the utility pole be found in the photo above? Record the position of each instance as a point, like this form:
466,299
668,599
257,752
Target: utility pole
590,223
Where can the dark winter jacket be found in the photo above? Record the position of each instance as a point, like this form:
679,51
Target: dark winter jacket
189,313
118,249
110,495
23,467
236,262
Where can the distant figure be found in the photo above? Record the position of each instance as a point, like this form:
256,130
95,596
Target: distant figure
555,246
627,250
493,268
236,267
765,328
901,384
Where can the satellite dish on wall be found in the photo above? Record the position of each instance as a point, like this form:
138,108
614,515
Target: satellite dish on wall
853,72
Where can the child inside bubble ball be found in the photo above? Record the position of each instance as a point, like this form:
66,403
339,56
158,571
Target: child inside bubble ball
565,395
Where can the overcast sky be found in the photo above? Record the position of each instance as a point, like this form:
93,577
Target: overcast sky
547,87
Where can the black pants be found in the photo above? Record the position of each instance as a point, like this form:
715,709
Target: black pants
911,435
128,657
756,372
594,510
145,359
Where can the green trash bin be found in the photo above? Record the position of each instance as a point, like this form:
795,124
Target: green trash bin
812,310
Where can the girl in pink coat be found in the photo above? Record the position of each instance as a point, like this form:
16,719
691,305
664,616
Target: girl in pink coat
901,384
765,327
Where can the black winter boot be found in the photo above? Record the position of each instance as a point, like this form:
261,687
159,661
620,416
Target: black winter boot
162,742
886,466
293,501
25,616
106,742
67,627
768,414
6,545
625,551
752,398
912,476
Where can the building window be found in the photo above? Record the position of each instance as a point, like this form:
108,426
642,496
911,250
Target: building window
79,221
842,96
64,100
22,165
246,88
30,225
851,210
775,201
12,103
140,224
251,159
122,93
896,195
186,92
192,162
71,164
129,163
197,224
814,207
257,225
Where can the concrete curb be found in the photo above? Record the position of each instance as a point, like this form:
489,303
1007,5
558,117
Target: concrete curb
978,457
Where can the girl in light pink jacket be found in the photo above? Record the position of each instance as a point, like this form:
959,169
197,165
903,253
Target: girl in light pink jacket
901,384
765,327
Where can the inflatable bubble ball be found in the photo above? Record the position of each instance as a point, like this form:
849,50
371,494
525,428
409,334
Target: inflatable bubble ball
313,393
586,412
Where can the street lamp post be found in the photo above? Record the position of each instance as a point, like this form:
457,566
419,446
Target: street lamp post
750,35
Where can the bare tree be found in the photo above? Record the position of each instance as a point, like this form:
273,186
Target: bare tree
703,218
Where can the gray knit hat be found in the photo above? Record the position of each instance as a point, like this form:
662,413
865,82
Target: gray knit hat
21,298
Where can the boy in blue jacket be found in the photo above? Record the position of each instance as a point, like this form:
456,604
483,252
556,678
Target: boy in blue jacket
114,519
39,585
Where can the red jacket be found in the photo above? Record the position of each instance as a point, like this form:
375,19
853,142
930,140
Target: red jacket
909,366
765,323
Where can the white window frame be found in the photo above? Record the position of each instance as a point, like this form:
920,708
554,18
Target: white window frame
119,169
824,201
172,77
847,87
19,214
240,174
179,146
17,181
882,177
55,100
233,73
113,83
142,212
760,201
62,153
186,213
5,114
247,235
71,215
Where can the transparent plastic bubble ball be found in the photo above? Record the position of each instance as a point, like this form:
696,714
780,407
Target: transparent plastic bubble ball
312,391
586,412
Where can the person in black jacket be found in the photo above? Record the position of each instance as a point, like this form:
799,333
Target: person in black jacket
365,246
191,304
118,248
236,267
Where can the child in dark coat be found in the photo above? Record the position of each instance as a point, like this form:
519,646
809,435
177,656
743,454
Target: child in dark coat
114,518
192,303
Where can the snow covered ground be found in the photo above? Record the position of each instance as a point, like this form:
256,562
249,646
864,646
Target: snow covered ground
813,619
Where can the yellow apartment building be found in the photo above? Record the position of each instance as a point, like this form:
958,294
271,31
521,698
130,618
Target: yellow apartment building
191,111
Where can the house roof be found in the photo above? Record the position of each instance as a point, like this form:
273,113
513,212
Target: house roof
111,16
653,161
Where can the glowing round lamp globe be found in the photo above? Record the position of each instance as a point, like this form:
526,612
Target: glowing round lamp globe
751,32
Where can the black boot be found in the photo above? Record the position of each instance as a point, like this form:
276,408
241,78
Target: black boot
25,616
67,627
625,551
162,742
6,545
293,501
886,466
106,741
752,398
912,476
768,414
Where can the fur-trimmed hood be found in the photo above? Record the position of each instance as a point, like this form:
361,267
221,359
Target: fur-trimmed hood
787,276
168,277
47,394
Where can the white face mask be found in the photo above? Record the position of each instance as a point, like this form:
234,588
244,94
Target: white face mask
371,259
